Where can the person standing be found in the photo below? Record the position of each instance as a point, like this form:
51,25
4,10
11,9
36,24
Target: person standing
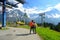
32,27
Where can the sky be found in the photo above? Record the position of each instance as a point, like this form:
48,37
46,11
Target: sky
41,6
38,6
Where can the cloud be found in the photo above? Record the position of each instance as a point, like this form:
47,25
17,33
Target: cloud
12,1
57,6
33,10
48,9
27,10
33,17
20,7
36,10
56,15
53,15
49,16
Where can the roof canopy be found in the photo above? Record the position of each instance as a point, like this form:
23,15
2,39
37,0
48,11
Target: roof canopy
11,4
1,0
14,4
21,1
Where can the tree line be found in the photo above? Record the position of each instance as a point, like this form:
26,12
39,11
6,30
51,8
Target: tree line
51,26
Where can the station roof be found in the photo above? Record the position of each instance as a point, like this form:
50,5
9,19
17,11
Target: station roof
14,4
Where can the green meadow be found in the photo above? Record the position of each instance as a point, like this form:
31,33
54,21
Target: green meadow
48,34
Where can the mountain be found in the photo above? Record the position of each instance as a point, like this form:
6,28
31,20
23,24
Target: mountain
33,16
15,15
51,13
52,19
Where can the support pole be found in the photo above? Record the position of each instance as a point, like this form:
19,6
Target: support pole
41,20
4,14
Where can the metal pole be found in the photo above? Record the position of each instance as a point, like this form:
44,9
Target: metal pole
4,14
25,15
41,20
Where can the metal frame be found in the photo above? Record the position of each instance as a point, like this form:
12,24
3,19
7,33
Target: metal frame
4,2
4,14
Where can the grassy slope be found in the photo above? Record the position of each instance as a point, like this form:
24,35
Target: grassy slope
48,34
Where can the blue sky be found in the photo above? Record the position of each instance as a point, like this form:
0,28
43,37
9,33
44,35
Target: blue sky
41,4
38,6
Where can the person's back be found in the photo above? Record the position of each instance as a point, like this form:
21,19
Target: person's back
31,24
